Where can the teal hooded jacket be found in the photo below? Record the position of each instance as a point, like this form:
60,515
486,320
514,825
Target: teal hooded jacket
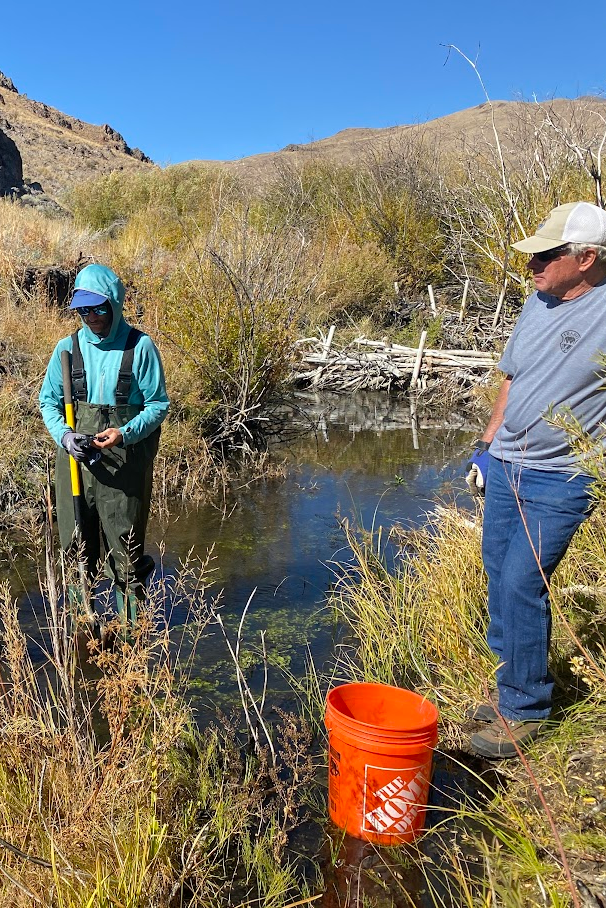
102,358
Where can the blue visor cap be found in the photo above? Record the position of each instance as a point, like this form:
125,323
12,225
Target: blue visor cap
87,298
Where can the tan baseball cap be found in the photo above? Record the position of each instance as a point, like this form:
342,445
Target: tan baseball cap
575,222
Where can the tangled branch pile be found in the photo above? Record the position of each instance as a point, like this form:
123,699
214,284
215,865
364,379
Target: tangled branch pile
381,366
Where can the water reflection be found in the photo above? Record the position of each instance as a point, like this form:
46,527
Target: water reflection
352,457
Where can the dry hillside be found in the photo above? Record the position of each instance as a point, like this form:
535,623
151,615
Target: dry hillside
459,134
58,150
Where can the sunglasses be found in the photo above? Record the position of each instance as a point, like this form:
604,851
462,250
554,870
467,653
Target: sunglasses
550,254
103,309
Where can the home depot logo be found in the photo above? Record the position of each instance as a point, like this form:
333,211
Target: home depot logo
398,804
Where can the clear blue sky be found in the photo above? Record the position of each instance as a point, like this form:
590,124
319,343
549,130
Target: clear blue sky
184,79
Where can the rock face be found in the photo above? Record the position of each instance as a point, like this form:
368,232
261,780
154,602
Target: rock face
55,151
12,183
11,166
7,83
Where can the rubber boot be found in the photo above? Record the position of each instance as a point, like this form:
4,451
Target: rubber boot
74,597
73,608
120,606
76,603
133,601
128,605
136,591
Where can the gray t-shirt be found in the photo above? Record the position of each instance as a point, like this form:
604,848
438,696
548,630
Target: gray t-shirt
552,356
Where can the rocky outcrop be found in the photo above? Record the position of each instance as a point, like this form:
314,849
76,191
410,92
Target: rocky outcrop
29,192
11,166
7,83
32,195
117,140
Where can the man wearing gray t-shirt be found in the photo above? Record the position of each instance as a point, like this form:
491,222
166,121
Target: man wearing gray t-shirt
537,494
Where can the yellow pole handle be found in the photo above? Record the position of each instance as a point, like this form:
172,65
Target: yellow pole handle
70,418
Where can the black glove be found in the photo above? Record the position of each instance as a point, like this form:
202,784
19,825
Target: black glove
77,446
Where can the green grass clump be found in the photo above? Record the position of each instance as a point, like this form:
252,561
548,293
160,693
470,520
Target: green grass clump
421,625
167,198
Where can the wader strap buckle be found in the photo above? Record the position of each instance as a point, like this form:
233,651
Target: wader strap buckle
125,373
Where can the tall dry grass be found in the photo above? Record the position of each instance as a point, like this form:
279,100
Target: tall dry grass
110,795
419,623
29,237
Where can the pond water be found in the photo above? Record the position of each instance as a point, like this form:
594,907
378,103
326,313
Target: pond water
283,538
354,457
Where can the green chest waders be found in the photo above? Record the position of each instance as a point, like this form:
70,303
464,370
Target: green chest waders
116,490
82,596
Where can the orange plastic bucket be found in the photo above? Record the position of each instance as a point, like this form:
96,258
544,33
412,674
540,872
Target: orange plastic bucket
380,743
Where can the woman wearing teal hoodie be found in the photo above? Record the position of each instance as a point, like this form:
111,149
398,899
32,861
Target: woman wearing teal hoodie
120,399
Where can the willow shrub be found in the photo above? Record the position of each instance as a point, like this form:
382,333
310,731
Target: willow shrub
408,232
165,197
354,280
386,207
230,308
481,219
304,197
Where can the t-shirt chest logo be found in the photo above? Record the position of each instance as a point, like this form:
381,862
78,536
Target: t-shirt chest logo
569,339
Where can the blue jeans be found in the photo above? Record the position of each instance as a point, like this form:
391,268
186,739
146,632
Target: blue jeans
548,507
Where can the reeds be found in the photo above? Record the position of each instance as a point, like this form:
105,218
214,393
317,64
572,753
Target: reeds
421,625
